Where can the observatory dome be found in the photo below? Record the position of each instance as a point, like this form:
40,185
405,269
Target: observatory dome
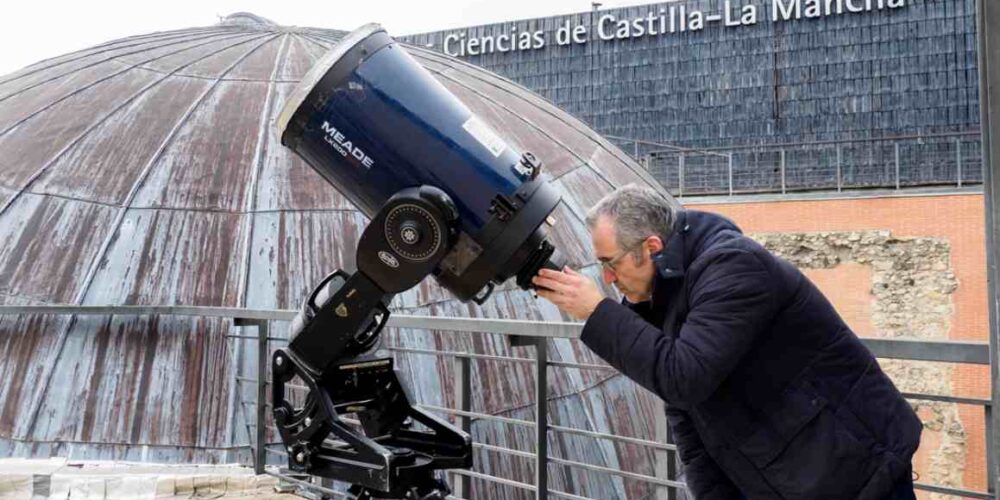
148,171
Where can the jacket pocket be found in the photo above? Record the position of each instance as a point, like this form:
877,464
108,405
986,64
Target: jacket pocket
795,410
804,450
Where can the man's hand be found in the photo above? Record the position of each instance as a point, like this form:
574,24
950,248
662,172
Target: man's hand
570,291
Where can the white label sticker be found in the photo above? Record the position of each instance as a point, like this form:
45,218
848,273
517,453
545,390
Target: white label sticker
485,135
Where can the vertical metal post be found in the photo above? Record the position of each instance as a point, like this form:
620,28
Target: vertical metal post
635,149
542,420
259,446
840,181
782,171
263,355
665,460
871,156
463,401
895,147
990,457
958,159
988,19
730,174
680,175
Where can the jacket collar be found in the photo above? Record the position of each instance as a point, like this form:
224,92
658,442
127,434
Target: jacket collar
670,262
692,233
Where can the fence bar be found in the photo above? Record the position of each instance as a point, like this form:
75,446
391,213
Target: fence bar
505,451
958,159
555,428
680,176
621,439
952,491
260,454
542,420
463,399
896,153
616,472
840,179
788,145
662,466
977,353
988,18
516,484
730,168
490,357
947,399
473,414
494,479
262,356
990,452
782,171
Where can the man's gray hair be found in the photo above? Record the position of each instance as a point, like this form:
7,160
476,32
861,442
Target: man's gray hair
638,212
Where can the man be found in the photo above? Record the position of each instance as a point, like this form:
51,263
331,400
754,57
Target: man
769,393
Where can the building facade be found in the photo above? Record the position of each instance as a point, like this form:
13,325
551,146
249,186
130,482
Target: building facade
710,73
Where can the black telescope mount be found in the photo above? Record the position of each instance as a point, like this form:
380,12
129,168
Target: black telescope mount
398,449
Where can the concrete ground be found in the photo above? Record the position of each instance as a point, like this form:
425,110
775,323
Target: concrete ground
59,478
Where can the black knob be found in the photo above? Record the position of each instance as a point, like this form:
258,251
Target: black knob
409,232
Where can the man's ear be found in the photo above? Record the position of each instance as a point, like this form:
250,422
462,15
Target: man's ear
654,244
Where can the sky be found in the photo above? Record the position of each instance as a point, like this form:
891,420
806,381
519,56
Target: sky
32,30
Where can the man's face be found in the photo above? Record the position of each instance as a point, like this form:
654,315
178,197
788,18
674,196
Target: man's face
633,279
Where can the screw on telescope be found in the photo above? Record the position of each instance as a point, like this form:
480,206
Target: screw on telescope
409,232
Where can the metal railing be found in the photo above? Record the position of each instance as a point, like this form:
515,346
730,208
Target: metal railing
950,159
523,333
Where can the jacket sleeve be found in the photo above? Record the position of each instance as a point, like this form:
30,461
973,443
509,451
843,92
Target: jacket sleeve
704,478
730,303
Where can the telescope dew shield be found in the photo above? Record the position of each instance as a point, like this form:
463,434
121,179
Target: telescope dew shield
373,122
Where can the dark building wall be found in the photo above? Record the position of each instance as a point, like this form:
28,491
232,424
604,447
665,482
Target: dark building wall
879,73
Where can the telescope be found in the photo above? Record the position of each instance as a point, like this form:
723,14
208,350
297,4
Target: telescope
446,197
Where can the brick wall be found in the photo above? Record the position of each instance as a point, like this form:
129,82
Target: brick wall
952,449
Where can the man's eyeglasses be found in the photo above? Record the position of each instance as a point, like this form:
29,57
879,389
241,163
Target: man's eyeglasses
612,263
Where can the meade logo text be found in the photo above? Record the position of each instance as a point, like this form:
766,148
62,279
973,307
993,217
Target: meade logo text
344,146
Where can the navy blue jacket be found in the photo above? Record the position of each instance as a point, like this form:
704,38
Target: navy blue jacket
769,393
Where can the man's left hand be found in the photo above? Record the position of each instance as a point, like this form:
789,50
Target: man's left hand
572,292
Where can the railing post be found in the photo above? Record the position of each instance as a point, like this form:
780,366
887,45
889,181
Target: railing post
782,171
680,175
665,460
958,159
541,410
263,356
730,174
990,452
635,149
542,420
462,485
895,145
840,179
871,156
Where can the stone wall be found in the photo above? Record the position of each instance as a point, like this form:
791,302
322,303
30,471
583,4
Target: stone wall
912,284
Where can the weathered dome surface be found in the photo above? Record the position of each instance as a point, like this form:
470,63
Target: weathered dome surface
147,171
